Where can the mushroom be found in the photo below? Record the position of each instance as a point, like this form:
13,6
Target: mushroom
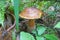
31,14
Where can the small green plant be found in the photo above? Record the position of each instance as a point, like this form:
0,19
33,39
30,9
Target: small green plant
41,33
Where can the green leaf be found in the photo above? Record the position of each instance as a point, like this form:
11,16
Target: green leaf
40,38
50,37
34,32
40,29
57,25
16,12
26,36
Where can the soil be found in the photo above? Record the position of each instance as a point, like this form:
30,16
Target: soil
6,37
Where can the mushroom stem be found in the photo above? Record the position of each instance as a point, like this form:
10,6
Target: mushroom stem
31,25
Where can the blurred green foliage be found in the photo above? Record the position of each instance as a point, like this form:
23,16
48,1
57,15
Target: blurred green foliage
2,12
49,7
50,37
43,33
42,5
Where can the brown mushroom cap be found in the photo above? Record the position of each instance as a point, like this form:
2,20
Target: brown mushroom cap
31,13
